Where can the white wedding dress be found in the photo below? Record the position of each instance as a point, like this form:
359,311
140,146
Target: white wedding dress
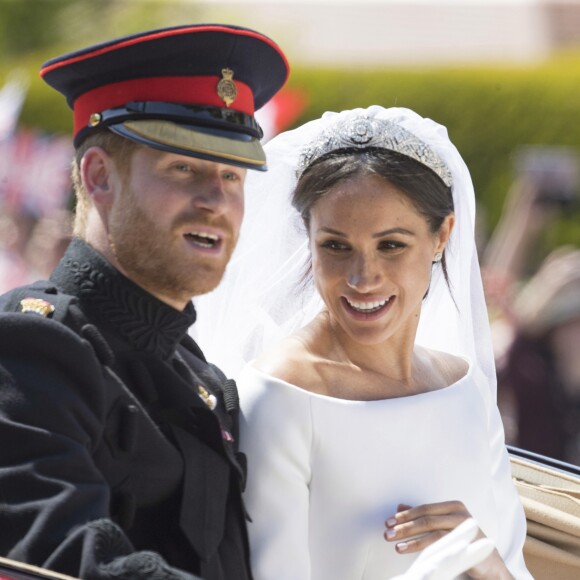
325,473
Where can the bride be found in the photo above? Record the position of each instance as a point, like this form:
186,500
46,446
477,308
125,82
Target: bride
370,423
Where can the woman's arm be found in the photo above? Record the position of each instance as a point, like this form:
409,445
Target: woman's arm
276,436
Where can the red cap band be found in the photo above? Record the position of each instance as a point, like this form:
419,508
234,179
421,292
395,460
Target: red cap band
201,90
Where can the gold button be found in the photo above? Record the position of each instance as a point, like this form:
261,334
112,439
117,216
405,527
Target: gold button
95,119
209,399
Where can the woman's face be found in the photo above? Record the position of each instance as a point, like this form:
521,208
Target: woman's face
372,255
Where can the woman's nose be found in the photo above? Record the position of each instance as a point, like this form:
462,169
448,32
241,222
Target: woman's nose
364,275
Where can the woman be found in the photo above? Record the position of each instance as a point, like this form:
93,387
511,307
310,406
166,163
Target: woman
371,431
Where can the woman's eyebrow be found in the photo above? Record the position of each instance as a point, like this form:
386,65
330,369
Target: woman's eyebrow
390,231
332,231
403,231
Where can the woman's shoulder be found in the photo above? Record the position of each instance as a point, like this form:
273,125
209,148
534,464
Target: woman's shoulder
291,361
447,368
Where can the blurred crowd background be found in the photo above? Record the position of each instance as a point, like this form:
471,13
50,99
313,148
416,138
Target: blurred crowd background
502,75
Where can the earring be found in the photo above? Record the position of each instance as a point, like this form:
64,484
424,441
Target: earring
437,257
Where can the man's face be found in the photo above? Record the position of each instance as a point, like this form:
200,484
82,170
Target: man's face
175,224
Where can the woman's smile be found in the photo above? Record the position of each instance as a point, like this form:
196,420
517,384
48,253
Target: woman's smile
360,309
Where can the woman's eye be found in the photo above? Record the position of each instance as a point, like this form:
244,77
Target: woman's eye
334,245
390,245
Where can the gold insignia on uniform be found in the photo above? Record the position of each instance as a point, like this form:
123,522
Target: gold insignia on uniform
209,399
37,305
95,119
226,88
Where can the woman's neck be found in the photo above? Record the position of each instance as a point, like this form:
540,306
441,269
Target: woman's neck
393,366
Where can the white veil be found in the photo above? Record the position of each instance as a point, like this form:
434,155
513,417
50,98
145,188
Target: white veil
260,299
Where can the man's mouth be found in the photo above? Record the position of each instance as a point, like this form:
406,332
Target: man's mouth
367,307
203,239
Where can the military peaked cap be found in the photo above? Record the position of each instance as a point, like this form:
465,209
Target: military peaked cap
192,90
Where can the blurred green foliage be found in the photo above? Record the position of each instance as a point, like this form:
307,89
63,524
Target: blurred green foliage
27,26
489,111
34,31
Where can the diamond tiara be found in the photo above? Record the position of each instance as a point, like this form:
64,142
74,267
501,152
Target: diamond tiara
363,132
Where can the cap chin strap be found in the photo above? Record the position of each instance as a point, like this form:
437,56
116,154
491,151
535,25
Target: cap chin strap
213,120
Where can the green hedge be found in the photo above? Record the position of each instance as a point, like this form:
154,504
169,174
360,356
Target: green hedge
489,112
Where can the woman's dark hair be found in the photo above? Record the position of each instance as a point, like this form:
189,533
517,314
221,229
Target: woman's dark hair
422,186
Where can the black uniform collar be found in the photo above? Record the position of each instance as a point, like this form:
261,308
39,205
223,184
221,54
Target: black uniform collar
112,300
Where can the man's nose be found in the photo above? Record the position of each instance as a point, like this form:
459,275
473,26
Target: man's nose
209,194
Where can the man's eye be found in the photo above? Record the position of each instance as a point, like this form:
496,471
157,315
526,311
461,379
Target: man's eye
231,176
183,167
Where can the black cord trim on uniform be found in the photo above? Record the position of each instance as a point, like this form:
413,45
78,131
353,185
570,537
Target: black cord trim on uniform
103,351
229,389
231,396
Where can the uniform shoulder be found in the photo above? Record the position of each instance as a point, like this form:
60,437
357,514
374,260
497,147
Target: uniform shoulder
49,323
40,298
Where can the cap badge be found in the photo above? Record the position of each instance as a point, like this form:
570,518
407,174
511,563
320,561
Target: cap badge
209,399
37,305
226,88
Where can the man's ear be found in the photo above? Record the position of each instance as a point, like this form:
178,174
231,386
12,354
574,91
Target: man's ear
98,174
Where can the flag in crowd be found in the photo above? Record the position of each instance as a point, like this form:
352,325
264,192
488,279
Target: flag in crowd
34,168
12,97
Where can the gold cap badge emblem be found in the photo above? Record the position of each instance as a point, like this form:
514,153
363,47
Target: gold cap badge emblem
37,305
226,88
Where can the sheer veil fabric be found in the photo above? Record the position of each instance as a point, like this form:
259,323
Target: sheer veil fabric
262,297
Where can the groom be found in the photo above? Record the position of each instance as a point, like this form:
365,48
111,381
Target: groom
118,441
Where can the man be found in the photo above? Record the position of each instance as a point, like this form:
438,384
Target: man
118,441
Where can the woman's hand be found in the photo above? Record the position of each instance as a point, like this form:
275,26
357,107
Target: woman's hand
450,556
415,528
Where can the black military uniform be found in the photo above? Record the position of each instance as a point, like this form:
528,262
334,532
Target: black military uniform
114,426
118,441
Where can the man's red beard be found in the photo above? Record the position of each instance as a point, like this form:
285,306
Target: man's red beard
159,260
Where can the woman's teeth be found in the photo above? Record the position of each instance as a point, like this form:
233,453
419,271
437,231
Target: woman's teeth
367,306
